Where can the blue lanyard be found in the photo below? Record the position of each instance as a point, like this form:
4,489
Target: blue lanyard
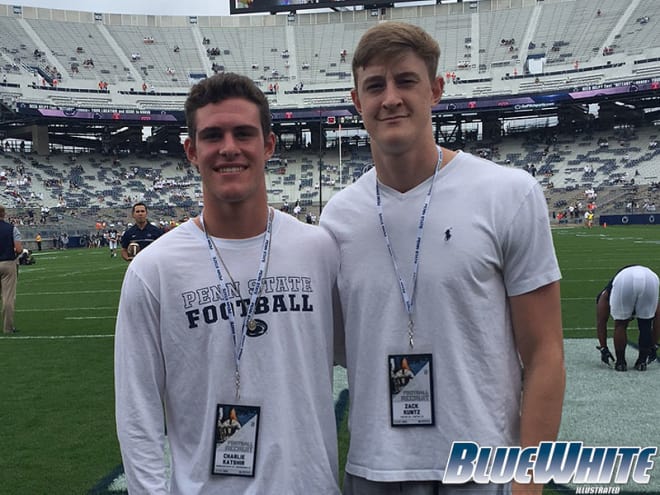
408,296
239,343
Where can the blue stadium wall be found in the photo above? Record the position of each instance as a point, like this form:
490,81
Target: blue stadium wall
645,219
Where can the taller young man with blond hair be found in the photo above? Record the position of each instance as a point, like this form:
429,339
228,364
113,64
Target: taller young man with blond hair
469,296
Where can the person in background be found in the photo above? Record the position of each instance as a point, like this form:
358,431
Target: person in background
142,234
11,246
469,296
631,293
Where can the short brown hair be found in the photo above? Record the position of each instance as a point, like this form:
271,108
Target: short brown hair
389,40
139,203
220,87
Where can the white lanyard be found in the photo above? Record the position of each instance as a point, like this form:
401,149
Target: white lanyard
408,297
239,344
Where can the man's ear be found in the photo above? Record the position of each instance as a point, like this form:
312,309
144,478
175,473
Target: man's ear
191,151
269,145
437,87
356,100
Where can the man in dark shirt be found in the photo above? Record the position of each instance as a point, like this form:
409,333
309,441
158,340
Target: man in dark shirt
140,235
10,247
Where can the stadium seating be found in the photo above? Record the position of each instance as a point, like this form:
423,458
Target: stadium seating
153,54
150,63
82,180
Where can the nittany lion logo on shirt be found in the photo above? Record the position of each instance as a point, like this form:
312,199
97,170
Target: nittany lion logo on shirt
261,327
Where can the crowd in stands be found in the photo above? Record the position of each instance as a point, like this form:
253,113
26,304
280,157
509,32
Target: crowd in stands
576,167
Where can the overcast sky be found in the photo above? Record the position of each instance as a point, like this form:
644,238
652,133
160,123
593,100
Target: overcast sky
163,7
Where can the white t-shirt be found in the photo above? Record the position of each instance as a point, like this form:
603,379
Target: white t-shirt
486,237
174,346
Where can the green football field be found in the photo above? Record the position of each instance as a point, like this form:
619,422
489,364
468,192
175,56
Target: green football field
57,404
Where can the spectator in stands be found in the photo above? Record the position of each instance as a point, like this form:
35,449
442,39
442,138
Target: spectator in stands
632,293
143,233
475,278
11,246
179,356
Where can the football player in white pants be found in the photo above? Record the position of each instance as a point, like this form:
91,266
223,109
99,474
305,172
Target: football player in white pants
632,293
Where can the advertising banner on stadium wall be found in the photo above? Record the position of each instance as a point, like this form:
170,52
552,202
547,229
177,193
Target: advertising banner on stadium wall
643,219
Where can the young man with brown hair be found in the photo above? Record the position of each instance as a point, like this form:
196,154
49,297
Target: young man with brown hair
232,310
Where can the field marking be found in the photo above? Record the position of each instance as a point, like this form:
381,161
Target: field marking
90,317
68,292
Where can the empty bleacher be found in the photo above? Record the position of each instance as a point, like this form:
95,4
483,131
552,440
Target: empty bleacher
642,28
480,43
81,50
575,31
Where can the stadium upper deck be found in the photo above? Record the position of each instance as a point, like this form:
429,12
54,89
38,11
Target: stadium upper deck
490,47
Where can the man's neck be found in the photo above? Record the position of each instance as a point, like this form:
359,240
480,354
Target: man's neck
235,221
406,171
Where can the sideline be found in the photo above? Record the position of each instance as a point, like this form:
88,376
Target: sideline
603,407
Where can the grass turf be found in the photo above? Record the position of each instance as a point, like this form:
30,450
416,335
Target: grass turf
57,406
